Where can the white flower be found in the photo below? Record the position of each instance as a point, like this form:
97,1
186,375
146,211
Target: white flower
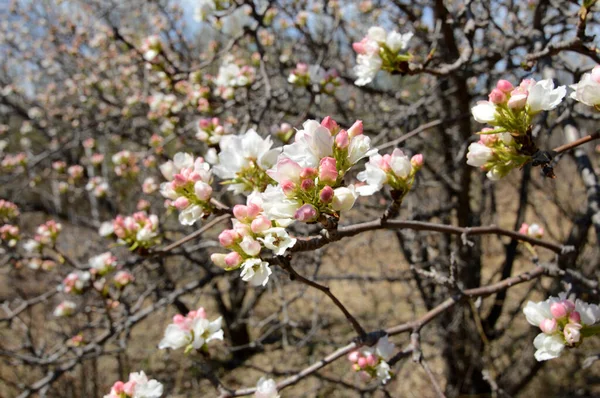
396,42
205,331
587,91
590,313
311,144
484,112
145,234
175,337
103,262
544,97
548,346
106,228
400,164
373,175
190,215
277,206
66,308
278,240
377,34
360,147
266,388
383,372
31,246
537,312
344,198
145,388
479,154
256,272
366,69
385,348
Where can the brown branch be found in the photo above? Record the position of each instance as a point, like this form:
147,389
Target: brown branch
574,144
193,235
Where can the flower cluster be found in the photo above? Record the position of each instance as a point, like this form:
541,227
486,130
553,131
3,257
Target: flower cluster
244,161
8,211
138,386
11,162
306,75
395,170
532,230
75,282
102,264
192,331
563,324
587,90
371,363
511,109
163,105
380,50
188,188
65,308
252,230
231,76
47,233
151,47
125,164
139,230
10,235
309,172
97,186
496,153
211,131
123,278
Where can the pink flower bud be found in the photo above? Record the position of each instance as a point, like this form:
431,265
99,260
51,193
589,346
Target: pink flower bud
308,172
575,317
202,190
524,228
572,332
568,305
362,362
307,185
178,319
253,210
181,203
341,139
233,259
327,170
288,188
359,47
129,388
326,194
240,212
118,387
596,74
306,213
504,86
228,237
329,123
549,326
417,161
372,360
356,129
497,96
201,313
518,99
242,230
250,246
559,310
218,259
260,224
353,356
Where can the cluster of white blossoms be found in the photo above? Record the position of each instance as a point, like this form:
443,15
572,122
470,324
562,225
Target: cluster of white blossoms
380,50
314,75
139,230
371,363
395,170
563,324
211,131
138,386
252,230
188,188
151,47
193,331
587,90
244,160
232,76
309,172
510,110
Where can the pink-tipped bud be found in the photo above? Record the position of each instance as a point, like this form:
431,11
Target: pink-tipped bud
559,310
242,230
178,319
308,172
359,47
307,185
233,259
306,213
568,305
250,246
342,140
372,360
329,124
228,237
497,96
201,313
572,332
181,203
524,229
354,356
288,188
356,129
575,317
129,388
596,74
549,326
260,224
218,259
362,362
504,86
240,212
118,387
326,194
417,161
253,210
518,99
327,170
488,139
